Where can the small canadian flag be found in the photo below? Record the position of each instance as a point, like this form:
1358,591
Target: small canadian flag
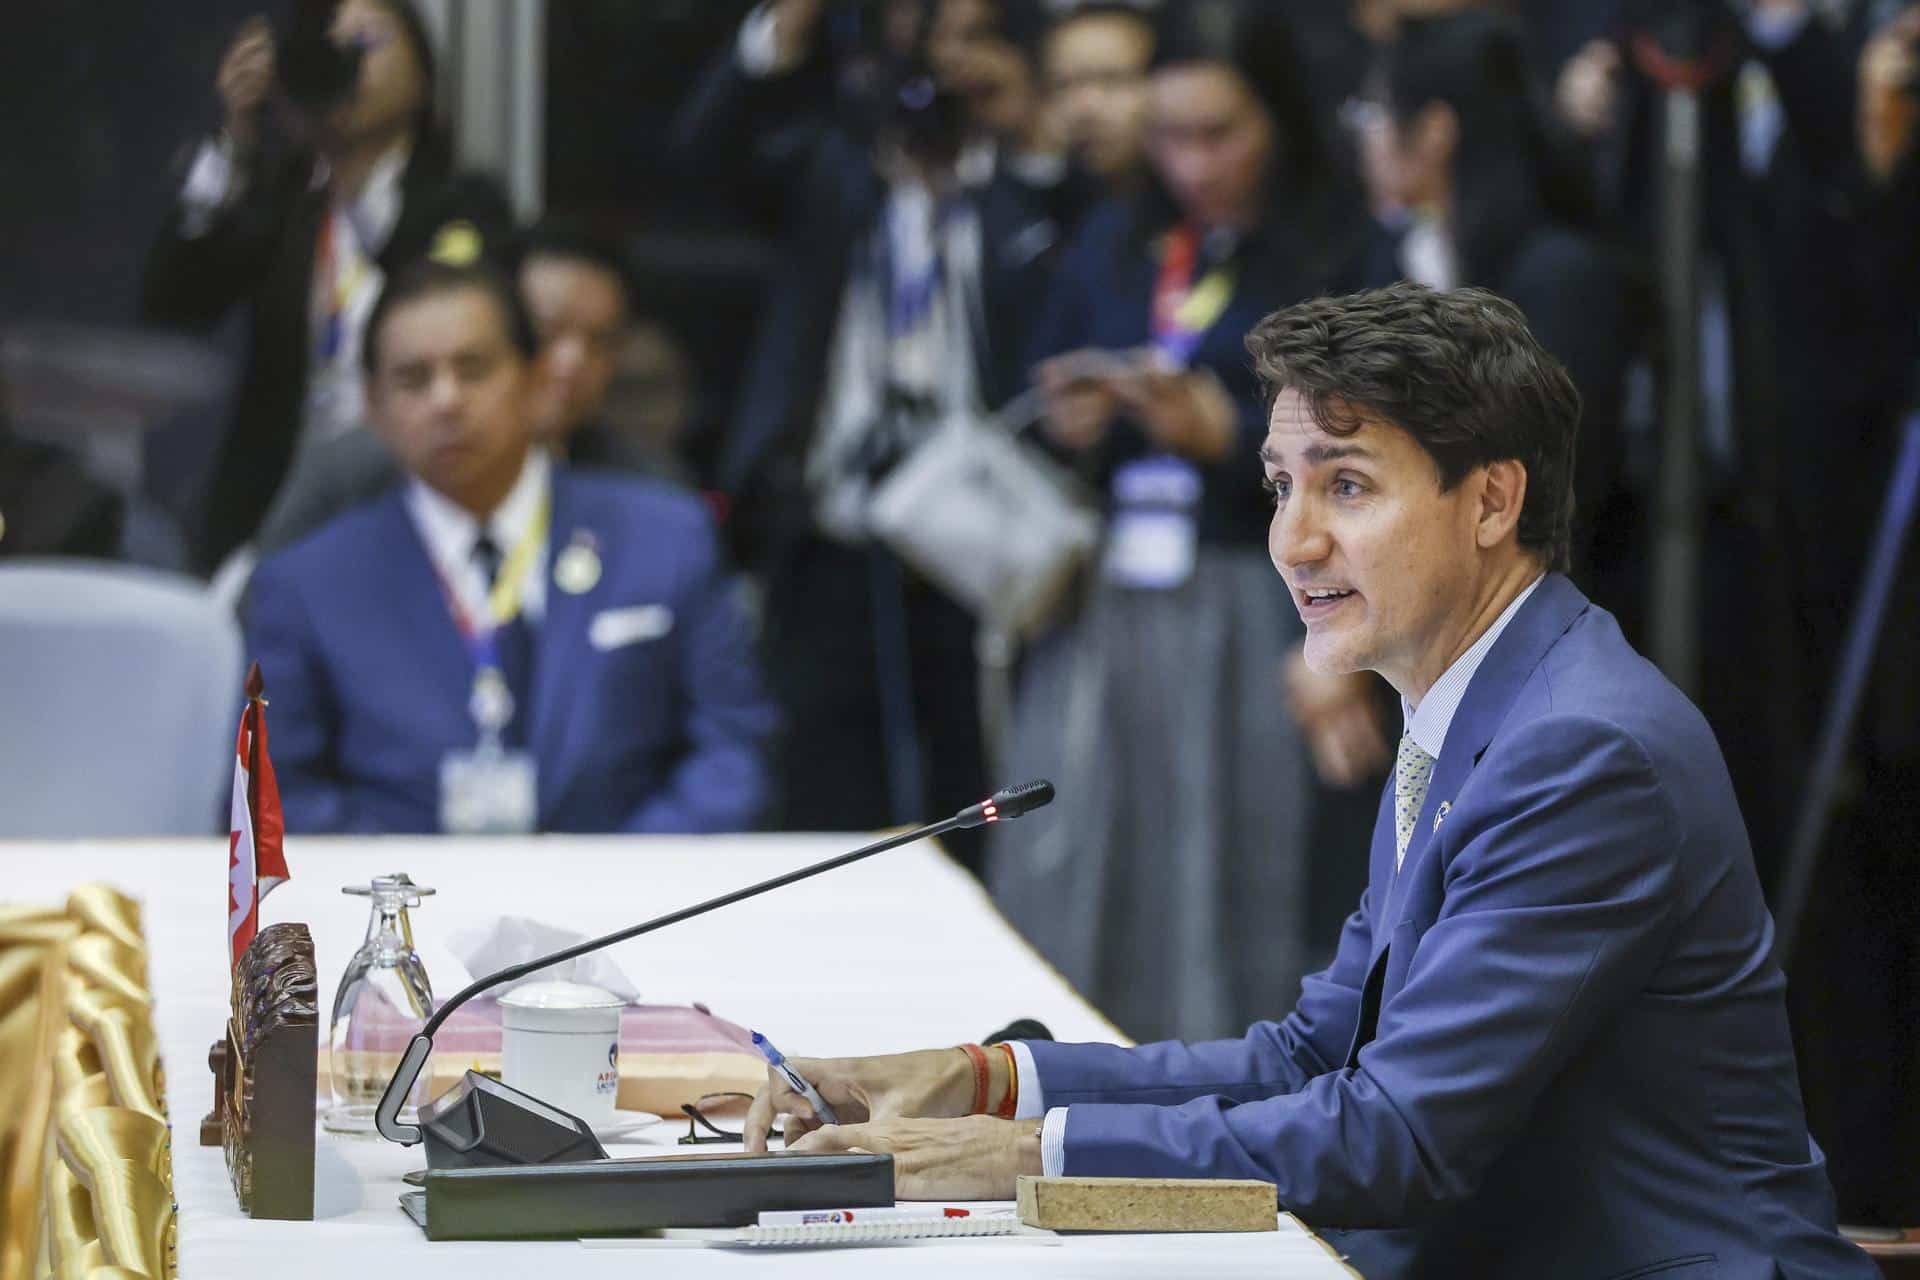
255,863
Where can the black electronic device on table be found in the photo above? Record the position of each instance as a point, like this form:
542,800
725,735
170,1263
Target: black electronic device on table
503,1165
623,1197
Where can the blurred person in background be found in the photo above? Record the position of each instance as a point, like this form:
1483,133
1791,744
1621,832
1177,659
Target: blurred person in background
1889,98
329,172
576,290
918,207
504,643
1808,342
1095,58
1853,991
652,405
1171,882
49,504
1490,199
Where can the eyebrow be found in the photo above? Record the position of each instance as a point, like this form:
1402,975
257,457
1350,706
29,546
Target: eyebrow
1319,453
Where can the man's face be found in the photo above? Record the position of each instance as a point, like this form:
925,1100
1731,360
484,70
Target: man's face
960,31
1382,565
1417,157
1210,140
650,398
579,310
449,394
1097,77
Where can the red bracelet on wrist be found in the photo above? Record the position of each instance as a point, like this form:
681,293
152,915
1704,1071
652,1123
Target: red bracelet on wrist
1010,1102
977,1056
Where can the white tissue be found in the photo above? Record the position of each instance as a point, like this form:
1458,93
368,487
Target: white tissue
511,940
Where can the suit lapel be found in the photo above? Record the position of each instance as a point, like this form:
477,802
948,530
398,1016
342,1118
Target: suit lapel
1542,620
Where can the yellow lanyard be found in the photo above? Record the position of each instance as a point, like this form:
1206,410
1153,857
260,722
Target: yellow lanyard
508,594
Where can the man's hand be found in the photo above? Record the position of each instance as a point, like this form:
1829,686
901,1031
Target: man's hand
245,78
1588,91
1183,410
794,22
1080,403
1340,719
1890,93
972,1158
932,1082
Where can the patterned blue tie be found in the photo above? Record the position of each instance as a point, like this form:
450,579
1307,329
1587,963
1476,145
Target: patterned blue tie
1412,774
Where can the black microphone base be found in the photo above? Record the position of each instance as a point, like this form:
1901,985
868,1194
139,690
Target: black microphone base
481,1123
625,1197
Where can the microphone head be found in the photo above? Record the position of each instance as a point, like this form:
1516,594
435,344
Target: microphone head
1008,802
1011,802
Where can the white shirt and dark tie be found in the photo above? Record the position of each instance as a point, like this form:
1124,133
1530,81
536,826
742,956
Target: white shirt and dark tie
467,555
1420,746
453,537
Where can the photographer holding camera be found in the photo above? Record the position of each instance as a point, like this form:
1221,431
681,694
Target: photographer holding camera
329,172
897,143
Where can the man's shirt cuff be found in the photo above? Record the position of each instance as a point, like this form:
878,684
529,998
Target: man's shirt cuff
758,50
209,182
1053,1143
1032,1102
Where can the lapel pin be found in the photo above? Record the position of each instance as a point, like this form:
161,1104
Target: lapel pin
1440,814
578,567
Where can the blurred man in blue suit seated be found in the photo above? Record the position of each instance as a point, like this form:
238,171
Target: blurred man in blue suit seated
1553,1040
502,644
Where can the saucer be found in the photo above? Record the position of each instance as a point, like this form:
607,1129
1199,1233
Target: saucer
625,1124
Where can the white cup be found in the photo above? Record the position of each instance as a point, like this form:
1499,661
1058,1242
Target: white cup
562,1045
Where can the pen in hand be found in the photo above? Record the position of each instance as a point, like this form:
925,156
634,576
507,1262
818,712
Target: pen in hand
795,1081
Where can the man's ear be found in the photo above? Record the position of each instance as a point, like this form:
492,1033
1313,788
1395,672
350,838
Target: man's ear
1503,494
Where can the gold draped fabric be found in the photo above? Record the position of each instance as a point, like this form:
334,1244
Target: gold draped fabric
86,1158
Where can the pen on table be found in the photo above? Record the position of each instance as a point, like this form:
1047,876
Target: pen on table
795,1081
911,1214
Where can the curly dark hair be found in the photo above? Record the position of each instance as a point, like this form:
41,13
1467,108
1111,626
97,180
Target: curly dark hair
1456,369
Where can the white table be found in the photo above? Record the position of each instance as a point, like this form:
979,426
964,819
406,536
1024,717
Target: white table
900,952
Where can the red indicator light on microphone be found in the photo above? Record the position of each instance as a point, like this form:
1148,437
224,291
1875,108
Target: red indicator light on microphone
992,813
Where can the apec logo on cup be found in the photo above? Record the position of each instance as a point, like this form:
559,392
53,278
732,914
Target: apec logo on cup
608,1081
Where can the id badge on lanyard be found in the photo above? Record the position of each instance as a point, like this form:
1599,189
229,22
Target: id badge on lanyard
1152,539
1153,536
489,790
492,790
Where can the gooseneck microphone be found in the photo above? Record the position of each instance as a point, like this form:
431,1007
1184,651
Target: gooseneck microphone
1010,802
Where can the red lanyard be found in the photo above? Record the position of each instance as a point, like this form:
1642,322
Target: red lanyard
1176,276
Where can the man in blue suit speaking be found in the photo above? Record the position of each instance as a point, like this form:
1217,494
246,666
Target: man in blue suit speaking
1553,1040
500,643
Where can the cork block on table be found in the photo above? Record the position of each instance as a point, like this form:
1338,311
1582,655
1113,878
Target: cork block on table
1147,1204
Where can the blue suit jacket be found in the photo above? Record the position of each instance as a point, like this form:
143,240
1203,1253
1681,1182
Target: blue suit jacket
369,678
1554,1044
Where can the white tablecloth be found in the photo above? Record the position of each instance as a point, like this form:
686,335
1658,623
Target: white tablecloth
900,952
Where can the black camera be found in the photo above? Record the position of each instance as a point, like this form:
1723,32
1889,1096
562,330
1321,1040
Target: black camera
315,73
889,89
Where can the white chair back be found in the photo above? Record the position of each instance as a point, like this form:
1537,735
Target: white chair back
120,693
